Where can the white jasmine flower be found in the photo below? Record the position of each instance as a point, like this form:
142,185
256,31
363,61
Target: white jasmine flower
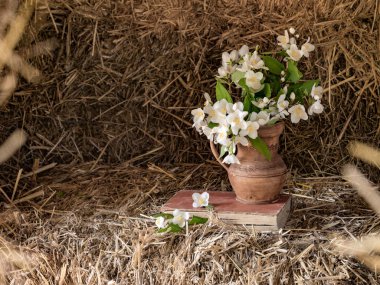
208,132
231,158
226,58
282,73
253,79
226,69
238,106
316,92
244,67
262,117
161,222
198,115
307,47
243,50
261,103
180,218
274,119
222,135
222,106
294,53
292,30
282,114
208,99
234,55
198,126
214,115
315,108
297,113
251,130
292,96
236,120
272,110
282,104
229,58
222,71
241,139
282,79
283,41
254,61
285,89
231,146
200,200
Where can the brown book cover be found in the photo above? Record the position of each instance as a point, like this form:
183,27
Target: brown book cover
264,217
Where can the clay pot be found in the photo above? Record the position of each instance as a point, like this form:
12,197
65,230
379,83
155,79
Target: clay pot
256,179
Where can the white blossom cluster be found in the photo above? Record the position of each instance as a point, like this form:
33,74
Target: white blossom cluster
179,218
229,124
289,44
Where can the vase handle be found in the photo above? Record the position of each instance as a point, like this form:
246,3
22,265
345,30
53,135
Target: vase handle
216,155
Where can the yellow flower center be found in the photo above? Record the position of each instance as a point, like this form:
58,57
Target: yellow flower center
299,112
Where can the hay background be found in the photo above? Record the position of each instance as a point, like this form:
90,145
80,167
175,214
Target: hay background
122,84
114,111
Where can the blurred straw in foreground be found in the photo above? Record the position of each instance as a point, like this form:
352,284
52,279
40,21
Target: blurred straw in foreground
368,248
365,152
12,259
12,144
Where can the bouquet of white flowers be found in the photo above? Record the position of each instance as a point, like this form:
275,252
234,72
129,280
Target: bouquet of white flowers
267,90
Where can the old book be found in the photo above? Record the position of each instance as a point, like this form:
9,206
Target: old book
264,217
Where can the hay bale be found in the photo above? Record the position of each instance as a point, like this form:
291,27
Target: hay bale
121,86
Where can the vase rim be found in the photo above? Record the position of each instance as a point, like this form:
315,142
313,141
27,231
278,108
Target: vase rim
274,125
272,130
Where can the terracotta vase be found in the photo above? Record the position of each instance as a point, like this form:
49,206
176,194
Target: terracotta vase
256,179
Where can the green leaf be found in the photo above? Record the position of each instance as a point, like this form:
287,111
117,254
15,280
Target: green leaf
171,228
259,144
274,81
212,125
237,75
244,85
301,89
247,103
223,150
165,215
195,220
222,93
294,75
255,109
308,85
273,64
267,90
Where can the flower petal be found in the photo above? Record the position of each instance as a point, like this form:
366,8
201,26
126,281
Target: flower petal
205,195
